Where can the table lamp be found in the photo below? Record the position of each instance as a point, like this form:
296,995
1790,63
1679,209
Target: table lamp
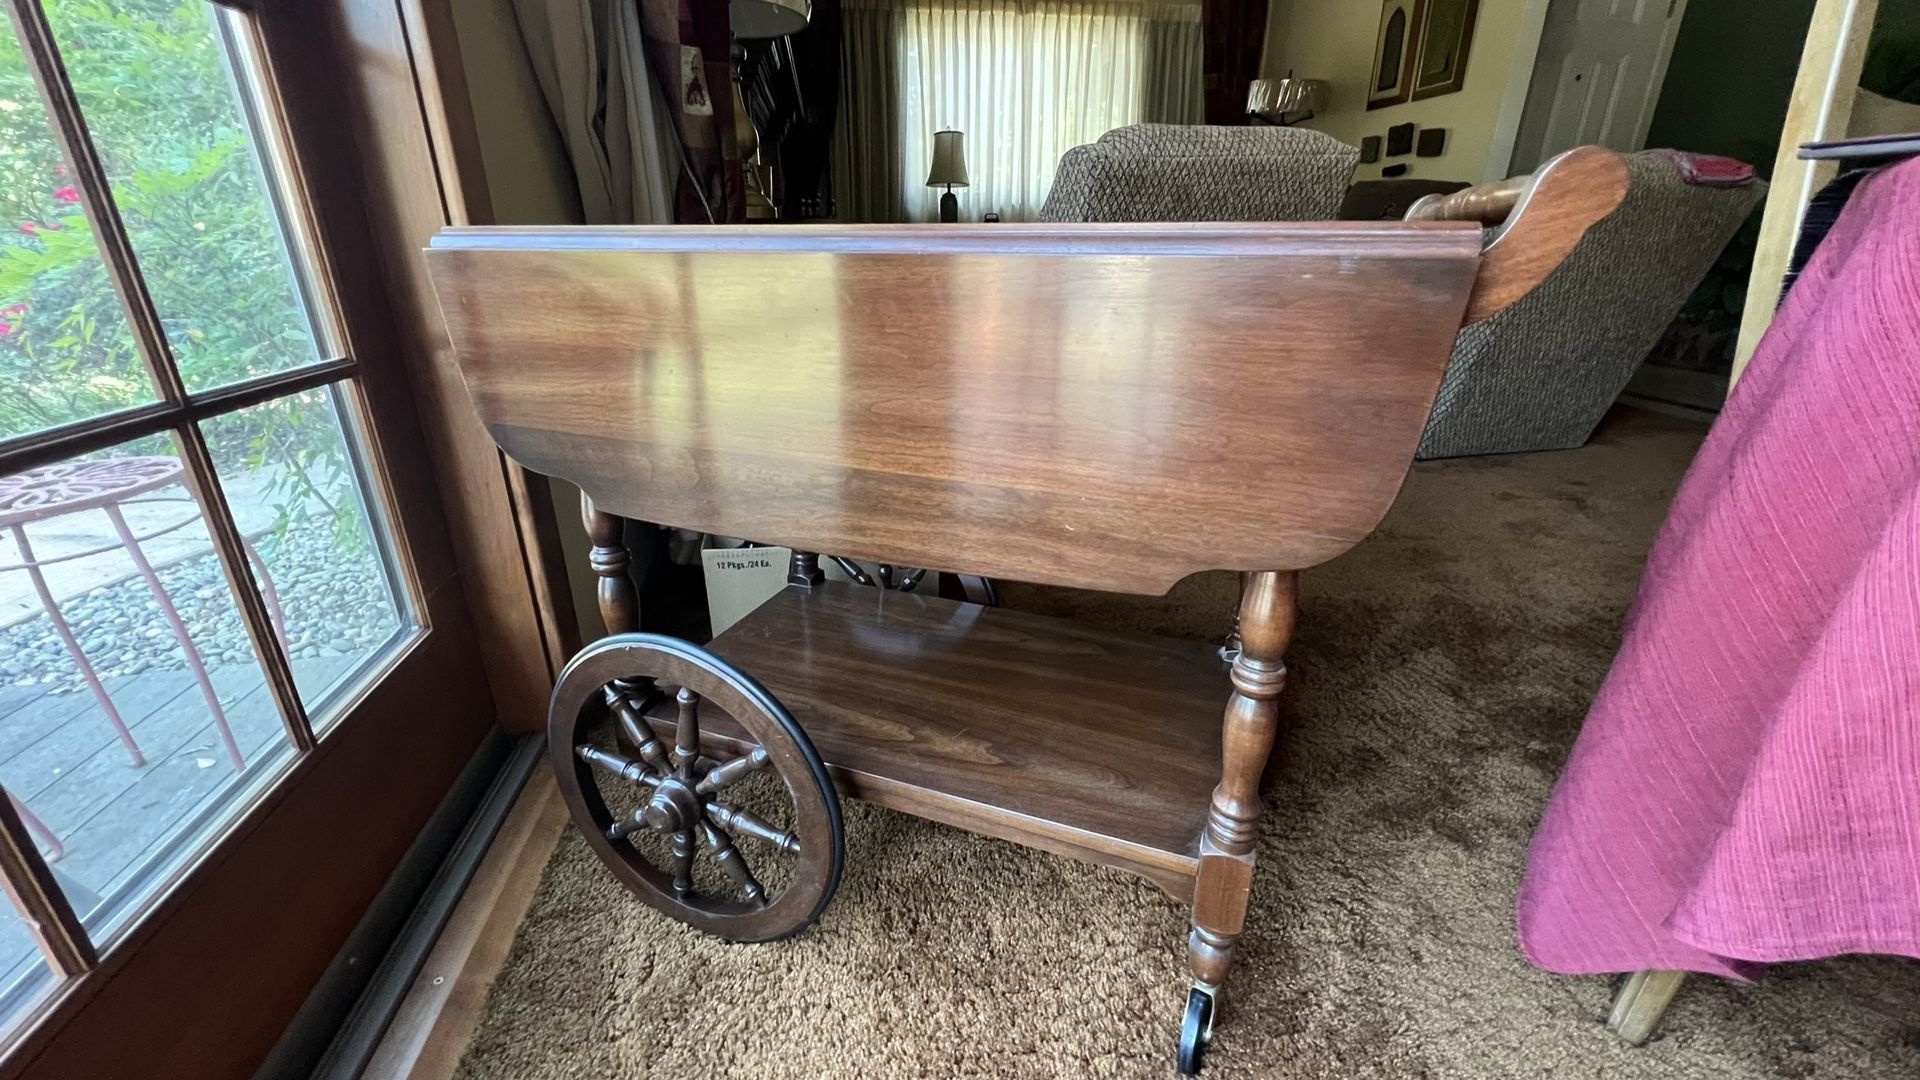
1288,101
949,170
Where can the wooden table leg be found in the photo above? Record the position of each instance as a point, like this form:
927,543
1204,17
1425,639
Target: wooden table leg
1640,1003
1223,885
619,600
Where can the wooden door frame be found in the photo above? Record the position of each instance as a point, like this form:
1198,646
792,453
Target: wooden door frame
205,981
509,540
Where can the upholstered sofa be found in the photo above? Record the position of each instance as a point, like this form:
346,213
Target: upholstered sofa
1178,172
1541,374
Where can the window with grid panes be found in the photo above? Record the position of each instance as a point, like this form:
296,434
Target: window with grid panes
197,572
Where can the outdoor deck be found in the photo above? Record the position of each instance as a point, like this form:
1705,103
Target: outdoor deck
119,823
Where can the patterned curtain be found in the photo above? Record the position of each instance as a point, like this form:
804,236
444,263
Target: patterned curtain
688,48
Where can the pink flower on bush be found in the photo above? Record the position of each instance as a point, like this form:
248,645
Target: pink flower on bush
68,194
13,309
5,328
31,227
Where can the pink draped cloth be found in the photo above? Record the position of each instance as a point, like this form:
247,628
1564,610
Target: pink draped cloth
1746,788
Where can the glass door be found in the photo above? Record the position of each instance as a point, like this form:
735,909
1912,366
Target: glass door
203,573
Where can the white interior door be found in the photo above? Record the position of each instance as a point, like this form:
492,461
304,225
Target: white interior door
1596,77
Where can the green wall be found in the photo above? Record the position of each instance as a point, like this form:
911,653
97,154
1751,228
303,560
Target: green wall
1732,72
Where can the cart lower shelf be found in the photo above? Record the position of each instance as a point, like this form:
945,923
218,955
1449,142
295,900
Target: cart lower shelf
1081,741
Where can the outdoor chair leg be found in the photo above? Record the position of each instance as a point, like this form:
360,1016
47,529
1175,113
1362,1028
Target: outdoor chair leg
268,592
74,650
194,663
38,828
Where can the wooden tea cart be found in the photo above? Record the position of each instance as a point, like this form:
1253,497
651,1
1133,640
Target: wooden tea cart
1104,406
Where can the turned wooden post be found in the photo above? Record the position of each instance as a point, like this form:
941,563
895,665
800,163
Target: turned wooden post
803,569
1224,884
609,557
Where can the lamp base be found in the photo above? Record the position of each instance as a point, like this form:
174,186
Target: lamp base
949,208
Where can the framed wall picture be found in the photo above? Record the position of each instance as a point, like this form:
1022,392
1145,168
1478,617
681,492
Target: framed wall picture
1440,58
1395,45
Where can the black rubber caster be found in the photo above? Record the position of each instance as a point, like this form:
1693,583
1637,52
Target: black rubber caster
1196,1031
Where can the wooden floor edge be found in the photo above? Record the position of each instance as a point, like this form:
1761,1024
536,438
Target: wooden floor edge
443,1006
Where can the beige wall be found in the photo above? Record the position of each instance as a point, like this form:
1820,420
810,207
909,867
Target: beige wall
529,183
526,165
1333,40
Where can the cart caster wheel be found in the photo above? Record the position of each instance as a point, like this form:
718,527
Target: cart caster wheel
1196,1031
686,727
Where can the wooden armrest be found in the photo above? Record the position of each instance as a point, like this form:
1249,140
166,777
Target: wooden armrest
1550,211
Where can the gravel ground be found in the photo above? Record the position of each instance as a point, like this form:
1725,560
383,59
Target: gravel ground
335,606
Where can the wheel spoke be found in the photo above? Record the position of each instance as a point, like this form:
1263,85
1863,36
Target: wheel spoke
683,862
631,771
647,793
732,772
852,570
734,863
742,821
619,829
686,734
633,724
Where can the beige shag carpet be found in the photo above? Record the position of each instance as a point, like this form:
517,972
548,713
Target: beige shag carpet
1440,674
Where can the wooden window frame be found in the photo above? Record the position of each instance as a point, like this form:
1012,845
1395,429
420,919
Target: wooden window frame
378,178
178,412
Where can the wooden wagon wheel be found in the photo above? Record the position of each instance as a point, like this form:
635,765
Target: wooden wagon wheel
680,786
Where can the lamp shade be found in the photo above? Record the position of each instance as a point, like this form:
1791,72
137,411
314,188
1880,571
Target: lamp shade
1276,97
767,18
949,160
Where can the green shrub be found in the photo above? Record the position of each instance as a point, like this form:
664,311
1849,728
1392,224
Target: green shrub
162,112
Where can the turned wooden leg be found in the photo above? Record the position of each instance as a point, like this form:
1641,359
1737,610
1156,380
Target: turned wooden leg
619,600
1224,883
1640,1003
609,557
803,569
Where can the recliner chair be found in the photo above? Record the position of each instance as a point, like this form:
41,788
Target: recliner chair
1541,374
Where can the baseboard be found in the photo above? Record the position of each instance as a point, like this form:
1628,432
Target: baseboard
1667,408
336,1030
1702,390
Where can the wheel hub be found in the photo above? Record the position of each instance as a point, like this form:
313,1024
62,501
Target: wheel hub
673,808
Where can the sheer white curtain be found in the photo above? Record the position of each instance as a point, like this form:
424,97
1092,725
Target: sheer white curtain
1025,80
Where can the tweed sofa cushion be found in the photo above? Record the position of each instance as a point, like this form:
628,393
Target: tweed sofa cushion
1072,185
1180,172
1541,374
